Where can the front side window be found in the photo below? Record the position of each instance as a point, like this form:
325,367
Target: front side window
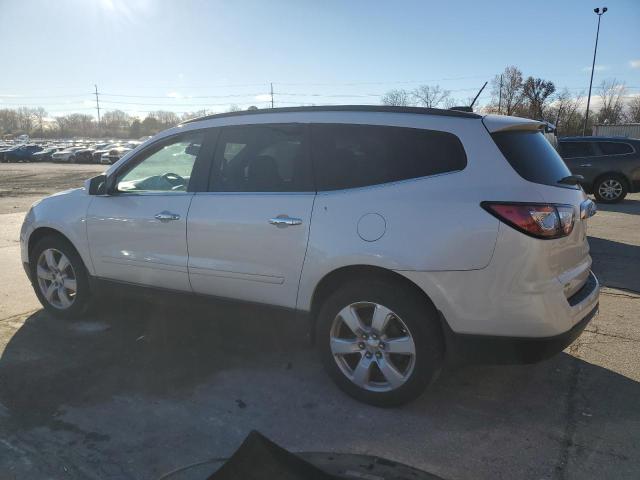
167,168
350,156
262,158
615,148
576,149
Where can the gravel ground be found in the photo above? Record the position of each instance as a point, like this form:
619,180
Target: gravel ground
141,388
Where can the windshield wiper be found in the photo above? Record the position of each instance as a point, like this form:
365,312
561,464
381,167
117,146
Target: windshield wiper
571,180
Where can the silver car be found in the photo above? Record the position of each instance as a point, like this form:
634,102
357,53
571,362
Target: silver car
404,235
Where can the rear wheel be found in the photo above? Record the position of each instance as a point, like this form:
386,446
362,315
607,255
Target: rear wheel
610,189
59,277
380,343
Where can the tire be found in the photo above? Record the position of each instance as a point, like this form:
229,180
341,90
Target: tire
71,303
411,322
610,189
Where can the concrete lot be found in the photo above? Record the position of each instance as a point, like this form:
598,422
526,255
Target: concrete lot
139,388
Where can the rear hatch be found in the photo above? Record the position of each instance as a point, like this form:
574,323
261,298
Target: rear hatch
523,144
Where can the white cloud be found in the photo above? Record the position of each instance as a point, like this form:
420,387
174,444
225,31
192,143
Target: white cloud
597,68
174,95
634,63
263,98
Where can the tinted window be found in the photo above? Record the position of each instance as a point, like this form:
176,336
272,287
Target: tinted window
262,158
348,156
165,168
576,149
532,156
614,148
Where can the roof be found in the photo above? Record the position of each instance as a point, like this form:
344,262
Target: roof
342,108
594,139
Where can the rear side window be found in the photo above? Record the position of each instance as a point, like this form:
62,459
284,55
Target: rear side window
532,156
615,148
262,158
349,156
576,149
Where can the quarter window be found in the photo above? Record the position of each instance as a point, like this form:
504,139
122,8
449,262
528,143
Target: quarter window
349,156
166,168
262,158
615,148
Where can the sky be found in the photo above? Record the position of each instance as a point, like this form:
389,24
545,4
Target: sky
187,55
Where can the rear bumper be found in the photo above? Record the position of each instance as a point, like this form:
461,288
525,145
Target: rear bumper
484,349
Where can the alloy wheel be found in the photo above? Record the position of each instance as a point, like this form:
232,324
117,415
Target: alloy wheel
56,278
610,189
372,346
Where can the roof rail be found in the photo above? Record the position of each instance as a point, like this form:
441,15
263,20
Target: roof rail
342,108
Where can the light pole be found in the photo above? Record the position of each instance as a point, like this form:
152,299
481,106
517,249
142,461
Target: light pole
598,12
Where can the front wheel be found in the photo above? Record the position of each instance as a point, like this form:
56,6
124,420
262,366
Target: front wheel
380,343
610,189
59,277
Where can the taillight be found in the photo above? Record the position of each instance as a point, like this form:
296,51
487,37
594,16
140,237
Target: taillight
539,220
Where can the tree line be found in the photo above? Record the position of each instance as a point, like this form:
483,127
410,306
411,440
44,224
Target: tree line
533,97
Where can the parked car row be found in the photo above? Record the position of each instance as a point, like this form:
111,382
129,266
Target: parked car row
67,152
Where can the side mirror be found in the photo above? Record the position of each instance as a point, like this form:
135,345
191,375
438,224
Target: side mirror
97,185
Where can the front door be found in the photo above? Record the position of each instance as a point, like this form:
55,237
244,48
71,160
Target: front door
247,236
138,232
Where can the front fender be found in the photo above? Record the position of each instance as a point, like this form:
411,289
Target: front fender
64,212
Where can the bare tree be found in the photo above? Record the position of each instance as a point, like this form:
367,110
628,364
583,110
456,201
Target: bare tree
233,108
8,120
25,119
430,96
612,96
564,112
398,97
507,95
166,118
537,92
40,113
116,121
633,113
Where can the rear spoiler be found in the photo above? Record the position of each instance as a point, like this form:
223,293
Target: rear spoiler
502,123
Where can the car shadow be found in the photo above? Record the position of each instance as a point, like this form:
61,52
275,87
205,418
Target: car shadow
628,205
136,346
615,263
189,362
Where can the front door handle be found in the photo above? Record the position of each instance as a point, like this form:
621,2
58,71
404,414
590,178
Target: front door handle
283,221
585,165
167,216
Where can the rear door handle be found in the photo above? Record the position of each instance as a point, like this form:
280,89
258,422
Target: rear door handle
166,216
283,221
585,165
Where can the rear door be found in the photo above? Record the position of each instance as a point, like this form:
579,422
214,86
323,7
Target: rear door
579,157
247,236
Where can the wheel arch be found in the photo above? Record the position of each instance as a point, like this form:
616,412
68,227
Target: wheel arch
611,173
338,277
41,232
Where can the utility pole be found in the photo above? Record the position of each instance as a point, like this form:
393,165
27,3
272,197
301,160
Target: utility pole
272,95
500,97
97,106
598,12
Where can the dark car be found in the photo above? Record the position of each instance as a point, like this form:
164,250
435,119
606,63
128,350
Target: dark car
610,165
22,154
44,155
6,149
85,155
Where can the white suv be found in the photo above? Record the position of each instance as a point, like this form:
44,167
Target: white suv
405,235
